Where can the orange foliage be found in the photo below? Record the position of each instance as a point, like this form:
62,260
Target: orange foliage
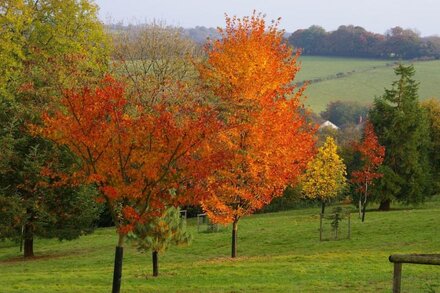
268,142
372,156
142,158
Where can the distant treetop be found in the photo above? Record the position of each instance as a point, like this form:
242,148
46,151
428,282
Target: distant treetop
355,41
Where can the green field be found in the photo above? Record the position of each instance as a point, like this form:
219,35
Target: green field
278,252
360,79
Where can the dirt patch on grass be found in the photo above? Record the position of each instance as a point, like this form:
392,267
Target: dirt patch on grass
45,256
17,259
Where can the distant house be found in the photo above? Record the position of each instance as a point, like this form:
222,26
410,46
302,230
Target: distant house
328,124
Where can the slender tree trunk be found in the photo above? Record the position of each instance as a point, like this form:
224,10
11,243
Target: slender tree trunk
21,238
385,205
363,209
28,240
117,271
234,239
155,264
322,206
320,226
360,206
365,202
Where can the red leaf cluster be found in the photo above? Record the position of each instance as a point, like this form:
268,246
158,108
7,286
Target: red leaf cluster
372,156
142,158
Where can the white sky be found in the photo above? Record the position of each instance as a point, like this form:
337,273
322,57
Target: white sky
373,15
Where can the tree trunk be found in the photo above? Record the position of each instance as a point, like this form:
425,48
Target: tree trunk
320,226
360,206
28,240
155,264
365,202
117,270
385,205
363,210
234,239
21,238
322,207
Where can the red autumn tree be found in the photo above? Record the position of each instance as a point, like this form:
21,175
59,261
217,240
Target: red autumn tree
250,70
372,155
143,159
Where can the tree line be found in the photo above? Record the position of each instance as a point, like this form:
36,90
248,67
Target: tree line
355,41
197,34
346,41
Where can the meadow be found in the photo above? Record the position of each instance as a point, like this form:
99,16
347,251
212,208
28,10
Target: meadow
350,79
277,252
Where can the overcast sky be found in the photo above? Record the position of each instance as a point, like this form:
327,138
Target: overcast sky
373,15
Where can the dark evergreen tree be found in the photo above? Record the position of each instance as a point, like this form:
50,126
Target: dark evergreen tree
31,202
432,107
402,127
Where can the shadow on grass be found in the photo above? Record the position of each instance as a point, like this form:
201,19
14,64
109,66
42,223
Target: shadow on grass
45,256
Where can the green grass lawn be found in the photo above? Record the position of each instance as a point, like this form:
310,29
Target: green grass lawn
278,252
359,79
362,79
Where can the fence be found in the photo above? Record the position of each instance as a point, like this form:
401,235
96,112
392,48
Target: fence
335,226
399,259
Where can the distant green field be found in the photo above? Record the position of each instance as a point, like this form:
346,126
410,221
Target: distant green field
278,252
359,79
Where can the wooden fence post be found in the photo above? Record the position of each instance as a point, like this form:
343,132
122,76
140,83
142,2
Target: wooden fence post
399,259
397,278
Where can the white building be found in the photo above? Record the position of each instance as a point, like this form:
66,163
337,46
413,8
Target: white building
328,124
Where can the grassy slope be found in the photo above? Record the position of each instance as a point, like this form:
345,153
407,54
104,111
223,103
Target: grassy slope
369,79
278,252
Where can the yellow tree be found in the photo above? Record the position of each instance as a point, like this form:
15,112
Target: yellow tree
325,174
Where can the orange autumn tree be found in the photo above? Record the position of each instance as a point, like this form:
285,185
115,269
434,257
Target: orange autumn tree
142,159
250,70
372,156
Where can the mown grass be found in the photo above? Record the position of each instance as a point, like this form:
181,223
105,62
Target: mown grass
278,252
360,79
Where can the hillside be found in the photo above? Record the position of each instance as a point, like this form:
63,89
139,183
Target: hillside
359,79
277,252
